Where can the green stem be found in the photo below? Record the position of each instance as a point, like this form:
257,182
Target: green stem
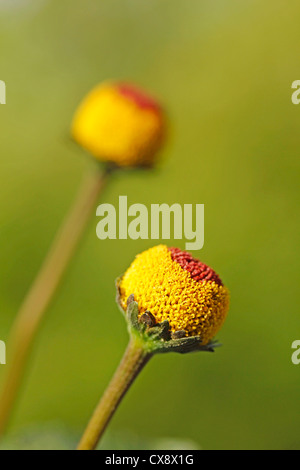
31,313
132,363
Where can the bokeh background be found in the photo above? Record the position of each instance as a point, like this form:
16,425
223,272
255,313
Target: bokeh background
223,70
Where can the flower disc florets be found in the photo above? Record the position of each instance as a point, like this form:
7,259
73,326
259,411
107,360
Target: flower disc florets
176,287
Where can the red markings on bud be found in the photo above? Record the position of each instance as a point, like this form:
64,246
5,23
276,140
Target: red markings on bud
138,96
198,271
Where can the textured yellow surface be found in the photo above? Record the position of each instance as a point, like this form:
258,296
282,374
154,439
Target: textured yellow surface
160,285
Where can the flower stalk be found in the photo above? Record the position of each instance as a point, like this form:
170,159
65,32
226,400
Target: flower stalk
135,358
147,337
32,311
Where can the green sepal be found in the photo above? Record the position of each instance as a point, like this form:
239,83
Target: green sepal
132,315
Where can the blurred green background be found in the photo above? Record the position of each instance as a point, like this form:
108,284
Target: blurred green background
224,71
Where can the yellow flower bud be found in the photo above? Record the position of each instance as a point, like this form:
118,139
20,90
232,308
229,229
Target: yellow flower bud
176,287
118,123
